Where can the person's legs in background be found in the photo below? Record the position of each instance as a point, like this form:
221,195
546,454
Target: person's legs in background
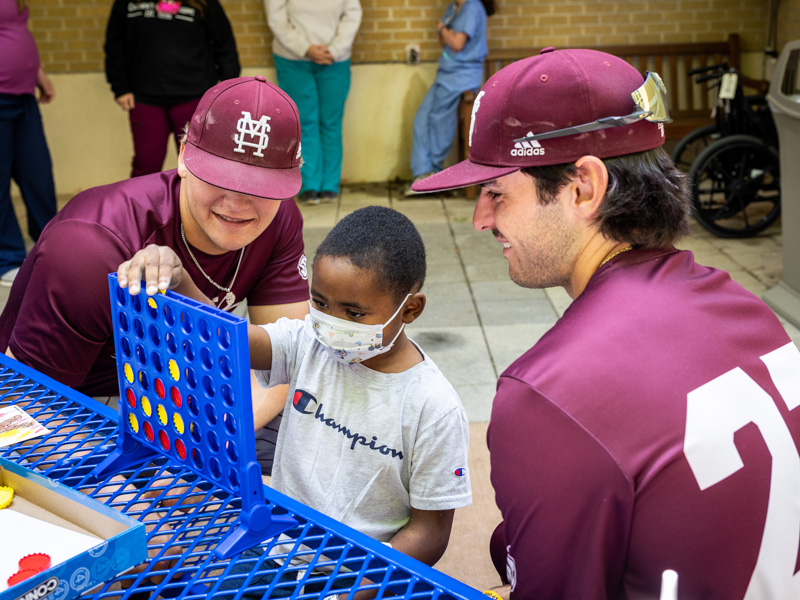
442,123
333,85
296,78
12,246
150,130
24,156
33,169
178,116
421,163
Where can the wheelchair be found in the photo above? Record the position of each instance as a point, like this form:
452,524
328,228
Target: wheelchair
733,165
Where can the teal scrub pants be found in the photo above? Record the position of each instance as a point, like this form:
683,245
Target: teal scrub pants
320,92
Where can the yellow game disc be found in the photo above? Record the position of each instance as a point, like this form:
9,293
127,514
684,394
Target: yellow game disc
6,496
146,407
151,303
128,373
162,414
134,422
174,371
493,595
178,421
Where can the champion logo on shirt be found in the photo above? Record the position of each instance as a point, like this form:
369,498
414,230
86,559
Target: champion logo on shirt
460,472
533,148
304,402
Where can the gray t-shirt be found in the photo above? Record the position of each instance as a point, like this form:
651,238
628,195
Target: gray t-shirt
361,446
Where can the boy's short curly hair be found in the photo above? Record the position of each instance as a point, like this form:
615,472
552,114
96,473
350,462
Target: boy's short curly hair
383,241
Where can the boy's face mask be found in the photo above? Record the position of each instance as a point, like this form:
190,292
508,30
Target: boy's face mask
351,342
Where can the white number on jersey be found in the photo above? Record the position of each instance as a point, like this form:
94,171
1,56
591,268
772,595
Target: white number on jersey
714,413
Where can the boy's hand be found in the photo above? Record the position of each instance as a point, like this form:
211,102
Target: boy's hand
159,266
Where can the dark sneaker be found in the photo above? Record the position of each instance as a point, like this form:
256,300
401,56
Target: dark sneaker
328,197
309,198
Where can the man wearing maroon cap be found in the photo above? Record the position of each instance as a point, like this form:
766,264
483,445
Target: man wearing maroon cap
221,211
656,426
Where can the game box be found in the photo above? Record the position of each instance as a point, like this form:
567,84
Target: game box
87,542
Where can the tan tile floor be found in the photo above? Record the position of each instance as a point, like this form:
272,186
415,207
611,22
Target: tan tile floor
473,310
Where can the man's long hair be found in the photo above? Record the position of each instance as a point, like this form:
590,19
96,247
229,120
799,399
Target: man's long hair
488,5
21,4
647,203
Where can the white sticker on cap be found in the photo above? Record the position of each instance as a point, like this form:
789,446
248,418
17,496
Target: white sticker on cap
255,132
475,106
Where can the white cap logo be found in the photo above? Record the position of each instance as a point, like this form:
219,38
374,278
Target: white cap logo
532,148
252,133
475,106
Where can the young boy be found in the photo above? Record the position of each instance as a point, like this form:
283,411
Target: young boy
373,434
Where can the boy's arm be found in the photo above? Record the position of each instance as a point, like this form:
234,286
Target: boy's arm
426,535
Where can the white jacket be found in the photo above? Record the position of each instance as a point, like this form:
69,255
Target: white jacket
297,24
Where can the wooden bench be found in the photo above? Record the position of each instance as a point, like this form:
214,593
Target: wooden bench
689,104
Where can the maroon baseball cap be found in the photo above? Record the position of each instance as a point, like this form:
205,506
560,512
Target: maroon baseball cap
244,136
555,90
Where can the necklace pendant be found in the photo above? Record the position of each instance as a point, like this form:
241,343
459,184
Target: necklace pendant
230,300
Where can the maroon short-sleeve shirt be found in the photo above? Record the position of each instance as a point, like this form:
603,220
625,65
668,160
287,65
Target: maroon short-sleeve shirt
58,318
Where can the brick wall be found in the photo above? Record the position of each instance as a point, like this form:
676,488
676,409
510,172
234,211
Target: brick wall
70,32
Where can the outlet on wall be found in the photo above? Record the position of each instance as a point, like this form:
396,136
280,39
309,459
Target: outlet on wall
412,54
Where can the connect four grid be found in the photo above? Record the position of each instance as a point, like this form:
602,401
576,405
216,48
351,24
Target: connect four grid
83,433
184,378
182,395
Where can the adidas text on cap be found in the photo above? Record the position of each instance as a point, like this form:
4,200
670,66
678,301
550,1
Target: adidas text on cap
244,136
554,90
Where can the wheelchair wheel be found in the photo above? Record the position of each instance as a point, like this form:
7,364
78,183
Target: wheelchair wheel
691,145
735,185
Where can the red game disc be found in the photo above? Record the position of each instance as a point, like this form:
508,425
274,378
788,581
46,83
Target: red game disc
35,562
21,575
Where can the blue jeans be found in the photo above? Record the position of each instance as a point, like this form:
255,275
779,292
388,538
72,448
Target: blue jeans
319,91
25,158
434,129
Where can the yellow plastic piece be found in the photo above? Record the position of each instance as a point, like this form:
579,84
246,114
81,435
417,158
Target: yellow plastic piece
6,496
134,422
174,371
162,414
146,406
128,373
178,421
152,303
493,595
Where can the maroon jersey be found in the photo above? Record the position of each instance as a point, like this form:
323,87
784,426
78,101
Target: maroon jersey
58,315
654,427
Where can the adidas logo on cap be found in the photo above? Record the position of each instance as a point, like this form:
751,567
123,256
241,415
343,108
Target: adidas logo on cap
532,148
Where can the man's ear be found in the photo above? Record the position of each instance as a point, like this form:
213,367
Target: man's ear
589,185
413,307
182,170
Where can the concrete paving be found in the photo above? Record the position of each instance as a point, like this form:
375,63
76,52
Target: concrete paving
477,322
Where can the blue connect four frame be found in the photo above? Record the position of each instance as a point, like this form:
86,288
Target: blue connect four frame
186,524
184,377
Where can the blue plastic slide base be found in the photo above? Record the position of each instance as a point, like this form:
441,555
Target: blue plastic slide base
185,523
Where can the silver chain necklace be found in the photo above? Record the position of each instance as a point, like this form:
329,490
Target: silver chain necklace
230,297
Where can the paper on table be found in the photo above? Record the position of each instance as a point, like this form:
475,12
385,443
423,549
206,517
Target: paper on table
16,426
23,535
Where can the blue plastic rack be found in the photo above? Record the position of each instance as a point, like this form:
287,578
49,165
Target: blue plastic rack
186,523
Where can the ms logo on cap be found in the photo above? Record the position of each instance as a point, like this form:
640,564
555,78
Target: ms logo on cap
256,131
